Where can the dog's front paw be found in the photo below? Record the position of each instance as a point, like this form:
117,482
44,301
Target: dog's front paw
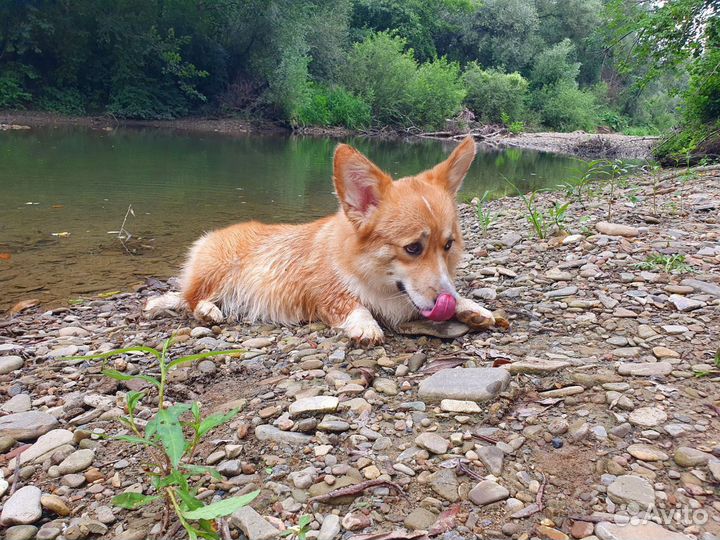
474,315
207,311
363,329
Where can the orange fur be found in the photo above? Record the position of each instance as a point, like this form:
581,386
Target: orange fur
346,269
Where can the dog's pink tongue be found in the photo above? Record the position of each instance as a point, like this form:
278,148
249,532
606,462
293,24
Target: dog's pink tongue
443,310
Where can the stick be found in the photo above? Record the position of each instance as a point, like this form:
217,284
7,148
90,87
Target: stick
356,490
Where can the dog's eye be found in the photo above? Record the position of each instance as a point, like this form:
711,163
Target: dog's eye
414,249
449,244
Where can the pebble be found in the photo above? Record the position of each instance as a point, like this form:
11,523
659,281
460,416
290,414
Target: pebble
487,492
55,504
8,364
647,417
651,369
21,532
22,507
420,519
632,489
690,457
646,452
615,229
330,528
271,433
77,461
446,330
432,443
643,531
314,405
465,384
459,406
28,425
253,525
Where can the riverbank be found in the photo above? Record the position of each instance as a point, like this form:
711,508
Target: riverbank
610,404
580,144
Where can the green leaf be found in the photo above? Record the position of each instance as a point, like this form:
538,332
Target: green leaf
115,374
195,410
175,478
215,420
221,508
132,439
116,352
171,435
200,356
190,501
133,500
198,470
133,398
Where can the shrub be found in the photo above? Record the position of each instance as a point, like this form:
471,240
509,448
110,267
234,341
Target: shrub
146,103
333,107
64,101
379,72
492,93
565,107
12,93
435,93
554,65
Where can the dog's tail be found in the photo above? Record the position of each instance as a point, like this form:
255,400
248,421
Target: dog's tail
159,304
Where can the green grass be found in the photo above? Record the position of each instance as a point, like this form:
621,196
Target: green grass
668,263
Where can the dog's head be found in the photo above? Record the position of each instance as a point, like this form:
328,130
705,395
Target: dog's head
407,230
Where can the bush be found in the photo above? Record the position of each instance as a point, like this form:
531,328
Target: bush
146,103
12,93
492,93
435,93
64,101
554,65
333,107
379,72
565,107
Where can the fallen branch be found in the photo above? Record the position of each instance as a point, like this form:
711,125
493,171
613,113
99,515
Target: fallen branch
357,489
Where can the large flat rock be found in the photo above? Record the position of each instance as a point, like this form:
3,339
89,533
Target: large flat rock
626,531
27,426
472,384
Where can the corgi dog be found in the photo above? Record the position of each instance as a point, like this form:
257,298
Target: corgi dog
389,254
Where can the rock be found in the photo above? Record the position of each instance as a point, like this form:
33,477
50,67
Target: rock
314,405
615,229
581,529
487,293
420,519
51,533
385,386
105,514
551,533
472,384
330,528
702,286
509,239
649,369
556,274
432,443
444,330
77,461
646,452
22,507
8,364
631,489
26,426
562,392
356,521
664,352
647,416
492,457
266,432
683,303
535,365
444,482
253,525
46,443
560,293
55,504
643,531
257,343
487,492
21,532
690,457
17,404
458,406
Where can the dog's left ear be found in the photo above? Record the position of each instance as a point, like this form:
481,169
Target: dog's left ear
360,184
451,172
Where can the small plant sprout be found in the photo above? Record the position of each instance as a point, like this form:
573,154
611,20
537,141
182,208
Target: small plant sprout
674,264
484,215
654,170
171,437
558,214
299,531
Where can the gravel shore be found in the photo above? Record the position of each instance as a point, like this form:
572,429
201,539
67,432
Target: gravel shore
601,402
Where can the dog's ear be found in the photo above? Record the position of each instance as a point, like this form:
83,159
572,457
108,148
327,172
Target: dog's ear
451,172
360,184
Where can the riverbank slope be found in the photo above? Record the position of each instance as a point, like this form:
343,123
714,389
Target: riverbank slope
610,404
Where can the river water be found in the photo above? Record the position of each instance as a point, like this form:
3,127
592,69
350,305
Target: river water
65,192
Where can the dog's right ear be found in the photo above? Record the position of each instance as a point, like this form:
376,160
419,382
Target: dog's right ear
360,184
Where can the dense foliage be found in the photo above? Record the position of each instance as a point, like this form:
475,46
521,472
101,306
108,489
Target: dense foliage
558,64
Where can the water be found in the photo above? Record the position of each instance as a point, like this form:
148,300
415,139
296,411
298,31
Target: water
65,190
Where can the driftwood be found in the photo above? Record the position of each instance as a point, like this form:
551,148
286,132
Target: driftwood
488,134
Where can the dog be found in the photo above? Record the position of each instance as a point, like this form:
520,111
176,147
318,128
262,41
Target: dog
389,254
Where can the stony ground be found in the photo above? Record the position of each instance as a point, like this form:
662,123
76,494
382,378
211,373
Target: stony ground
601,402
579,143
